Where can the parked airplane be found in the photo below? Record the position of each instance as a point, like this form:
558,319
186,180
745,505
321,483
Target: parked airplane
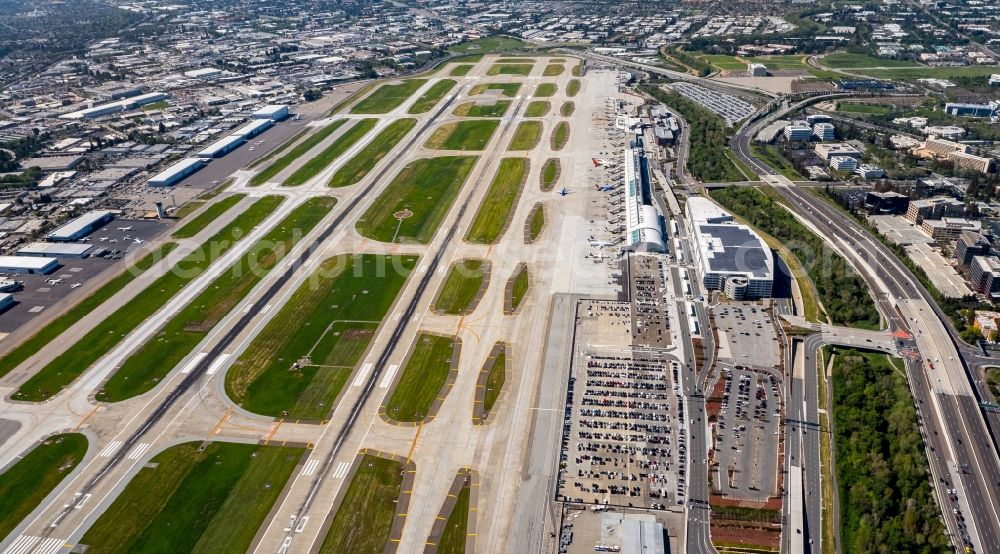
598,162
53,281
129,228
605,187
137,241
563,191
598,243
74,285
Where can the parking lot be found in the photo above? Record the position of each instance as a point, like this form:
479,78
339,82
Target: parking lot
622,443
745,434
650,321
728,107
747,335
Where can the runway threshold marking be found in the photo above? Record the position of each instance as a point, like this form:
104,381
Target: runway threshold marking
310,468
341,470
36,545
86,417
139,451
218,426
109,449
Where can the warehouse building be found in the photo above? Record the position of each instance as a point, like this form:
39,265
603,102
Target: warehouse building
55,250
130,103
729,256
252,129
176,173
28,265
81,226
221,147
274,112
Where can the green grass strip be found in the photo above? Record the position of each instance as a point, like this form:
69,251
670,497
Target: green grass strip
432,96
144,369
295,153
526,136
537,108
212,213
357,167
387,97
507,89
25,484
464,280
456,528
520,286
460,70
330,320
85,352
56,327
572,87
545,89
364,519
567,109
499,202
312,168
425,188
560,135
422,379
193,500
281,148
494,381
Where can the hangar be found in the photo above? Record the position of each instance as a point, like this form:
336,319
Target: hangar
28,265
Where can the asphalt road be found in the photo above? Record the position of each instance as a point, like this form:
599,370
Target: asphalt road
976,471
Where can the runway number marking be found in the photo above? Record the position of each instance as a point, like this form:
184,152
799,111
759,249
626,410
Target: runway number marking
82,501
310,468
109,449
284,545
302,524
387,378
362,375
139,451
341,470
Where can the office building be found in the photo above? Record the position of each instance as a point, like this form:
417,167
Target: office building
866,171
995,80
798,131
886,203
969,245
824,131
948,229
984,275
843,163
725,250
972,162
934,208
830,149
959,109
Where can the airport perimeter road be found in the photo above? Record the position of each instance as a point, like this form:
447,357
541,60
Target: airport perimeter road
967,447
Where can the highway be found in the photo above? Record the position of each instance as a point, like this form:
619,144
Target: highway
938,377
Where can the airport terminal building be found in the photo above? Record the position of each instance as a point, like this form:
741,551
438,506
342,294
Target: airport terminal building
729,256
644,227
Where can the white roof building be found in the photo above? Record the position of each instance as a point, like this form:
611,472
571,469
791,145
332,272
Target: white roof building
725,249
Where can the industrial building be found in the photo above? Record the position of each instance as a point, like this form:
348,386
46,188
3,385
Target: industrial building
274,112
28,265
252,129
176,173
984,274
798,131
729,256
886,203
55,250
970,244
757,70
81,226
934,208
643,228
115,107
